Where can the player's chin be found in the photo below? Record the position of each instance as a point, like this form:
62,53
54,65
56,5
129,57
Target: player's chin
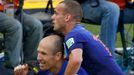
43,68
56,28
42,65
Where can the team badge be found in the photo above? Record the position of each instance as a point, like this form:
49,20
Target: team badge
70,42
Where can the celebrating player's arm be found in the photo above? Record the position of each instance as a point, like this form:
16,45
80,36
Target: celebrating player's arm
74,63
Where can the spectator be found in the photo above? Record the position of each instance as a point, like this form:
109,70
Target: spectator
122,5
12,30
32,32
19,37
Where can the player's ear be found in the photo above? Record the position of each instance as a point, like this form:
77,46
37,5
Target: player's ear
59,55
67,17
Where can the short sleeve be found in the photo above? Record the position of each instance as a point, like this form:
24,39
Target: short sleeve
73,42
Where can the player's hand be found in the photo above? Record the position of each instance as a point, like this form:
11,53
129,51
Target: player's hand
21,70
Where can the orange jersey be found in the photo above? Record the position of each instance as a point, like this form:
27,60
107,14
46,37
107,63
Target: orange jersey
15,2
1,5
120,3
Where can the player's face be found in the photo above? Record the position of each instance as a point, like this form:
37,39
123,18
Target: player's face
46,58
58,18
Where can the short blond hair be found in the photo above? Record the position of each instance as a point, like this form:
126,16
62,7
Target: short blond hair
74,8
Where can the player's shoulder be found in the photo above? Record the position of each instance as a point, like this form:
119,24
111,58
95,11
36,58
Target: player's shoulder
77,30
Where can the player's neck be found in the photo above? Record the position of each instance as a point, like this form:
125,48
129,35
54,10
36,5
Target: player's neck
57,67
69,27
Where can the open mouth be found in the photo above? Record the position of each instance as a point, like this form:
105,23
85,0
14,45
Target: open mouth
41,63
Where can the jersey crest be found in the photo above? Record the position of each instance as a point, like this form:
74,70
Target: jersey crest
70,42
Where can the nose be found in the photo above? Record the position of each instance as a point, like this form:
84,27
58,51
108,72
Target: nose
39,57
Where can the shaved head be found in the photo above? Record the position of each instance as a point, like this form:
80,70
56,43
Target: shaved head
50,52
53,42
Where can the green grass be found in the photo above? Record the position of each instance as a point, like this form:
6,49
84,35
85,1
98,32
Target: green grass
129,29
95,29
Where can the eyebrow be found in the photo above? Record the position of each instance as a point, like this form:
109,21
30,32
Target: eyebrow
44,53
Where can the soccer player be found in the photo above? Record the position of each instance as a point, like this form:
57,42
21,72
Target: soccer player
50,58
81,46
